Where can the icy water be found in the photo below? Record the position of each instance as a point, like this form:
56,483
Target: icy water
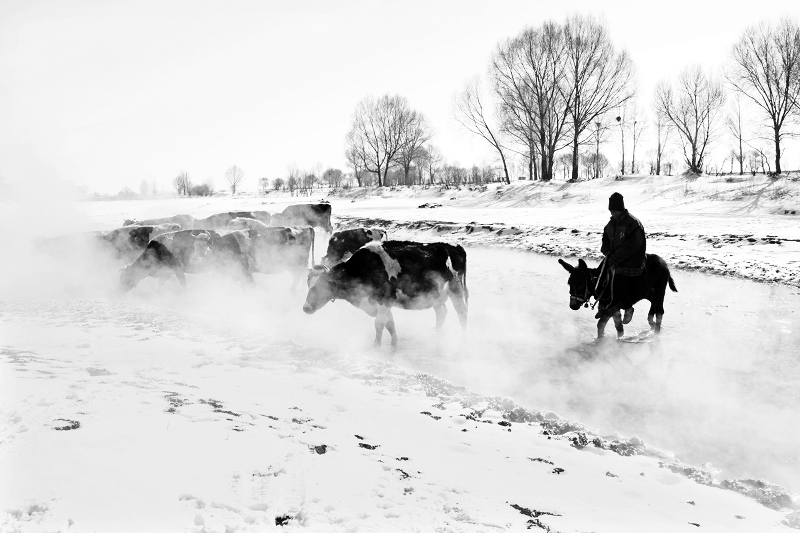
719,385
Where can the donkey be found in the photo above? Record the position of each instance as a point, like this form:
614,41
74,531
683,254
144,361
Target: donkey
651,285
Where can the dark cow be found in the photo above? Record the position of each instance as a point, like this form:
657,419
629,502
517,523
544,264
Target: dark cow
408,275
185,221
128,242
275,250
343,244
190,251
220,221
650,285
314,215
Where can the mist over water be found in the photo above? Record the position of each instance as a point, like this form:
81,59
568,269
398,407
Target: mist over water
718,385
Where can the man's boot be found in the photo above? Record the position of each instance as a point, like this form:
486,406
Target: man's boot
628,315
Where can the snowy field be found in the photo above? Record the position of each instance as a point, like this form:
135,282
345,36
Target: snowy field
223,409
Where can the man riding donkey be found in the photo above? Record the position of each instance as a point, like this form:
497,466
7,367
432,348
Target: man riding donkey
624,246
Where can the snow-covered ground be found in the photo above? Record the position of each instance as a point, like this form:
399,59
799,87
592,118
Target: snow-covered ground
217,409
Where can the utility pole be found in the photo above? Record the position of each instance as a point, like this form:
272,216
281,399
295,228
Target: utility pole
597,151
622,137
633,155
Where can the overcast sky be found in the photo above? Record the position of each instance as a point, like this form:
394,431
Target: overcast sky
107,93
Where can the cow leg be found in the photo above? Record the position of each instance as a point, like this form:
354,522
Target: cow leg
657,327
441,314
618,323
651,321
181,278
390,326
381,318
458,297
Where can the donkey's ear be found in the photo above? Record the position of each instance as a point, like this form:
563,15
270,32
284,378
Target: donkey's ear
582,264
569,268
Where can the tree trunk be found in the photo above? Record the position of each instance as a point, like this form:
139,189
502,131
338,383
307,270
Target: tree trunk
777,151
543,146
575,157
658,158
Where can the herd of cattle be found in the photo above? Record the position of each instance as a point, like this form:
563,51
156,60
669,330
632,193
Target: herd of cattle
360,265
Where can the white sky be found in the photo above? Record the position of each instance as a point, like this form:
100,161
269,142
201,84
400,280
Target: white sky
107,93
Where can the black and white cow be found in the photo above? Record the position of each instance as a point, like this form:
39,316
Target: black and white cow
192,252
314,215
274,250
220,221
343,244
185,221
408,275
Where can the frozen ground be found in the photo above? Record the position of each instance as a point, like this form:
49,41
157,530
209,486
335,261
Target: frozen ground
221,410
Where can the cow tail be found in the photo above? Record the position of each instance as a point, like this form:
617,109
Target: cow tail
672,285
313,238
464,283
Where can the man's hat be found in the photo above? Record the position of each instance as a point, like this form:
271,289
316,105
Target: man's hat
615,202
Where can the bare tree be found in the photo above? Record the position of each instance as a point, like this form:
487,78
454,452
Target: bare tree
144,188
471,115
766,69
334,177
734,125
234,177
415,134
378,132
433,162
693,108
278,184
263,185
663,128
597,78
182,183
355,157
526,72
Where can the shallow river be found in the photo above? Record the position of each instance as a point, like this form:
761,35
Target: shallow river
720,384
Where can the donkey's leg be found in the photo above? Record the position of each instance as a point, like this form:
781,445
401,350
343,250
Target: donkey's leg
441,314
657,311
618,323
601,325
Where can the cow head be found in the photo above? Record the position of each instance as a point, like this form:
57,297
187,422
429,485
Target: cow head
321,289
128,279
580,283
377,234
